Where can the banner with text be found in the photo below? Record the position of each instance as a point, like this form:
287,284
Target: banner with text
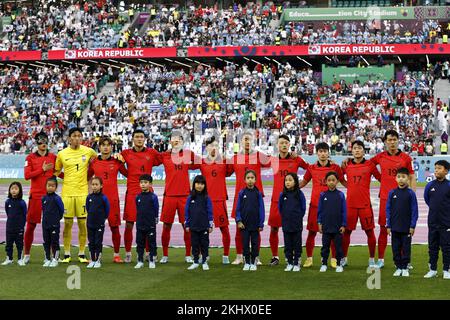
365,13
320,49
330,74
112,53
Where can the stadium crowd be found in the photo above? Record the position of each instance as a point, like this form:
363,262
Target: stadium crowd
93,25
43,99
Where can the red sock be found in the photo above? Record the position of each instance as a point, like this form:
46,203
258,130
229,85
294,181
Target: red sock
346,241
333,249
115,233
128,238
382,242
187,243
165,240
273,240
371,242
310,242
238,240
225,240
29,237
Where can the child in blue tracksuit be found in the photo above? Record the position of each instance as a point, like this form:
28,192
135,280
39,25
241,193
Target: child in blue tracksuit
437,197
292,208
402,213
97,207
147,207
250,216
199,221
52,213
16,212
332,220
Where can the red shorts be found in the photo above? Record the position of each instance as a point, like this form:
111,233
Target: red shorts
382,215
274,216
34,214
171,205
114,213
220,213
129,212
365,218
312,219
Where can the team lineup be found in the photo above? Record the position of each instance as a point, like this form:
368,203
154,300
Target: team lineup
332,212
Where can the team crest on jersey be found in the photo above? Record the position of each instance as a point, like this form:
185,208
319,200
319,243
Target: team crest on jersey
433,189
395,196
245,197
139,200
83,158
147,158
325,199
90,200
285,198
193,201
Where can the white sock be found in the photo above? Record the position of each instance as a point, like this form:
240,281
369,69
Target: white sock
128,254
277,257
382,260
371,260
116,254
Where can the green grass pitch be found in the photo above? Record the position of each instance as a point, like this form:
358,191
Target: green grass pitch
173,281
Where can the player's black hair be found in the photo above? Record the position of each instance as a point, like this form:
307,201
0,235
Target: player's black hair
443,163
202,180
76,129
403,170
138,131
52,179
285,137
177,133
104,139
210,140
359,143
390,133
19,185
146,177
40,135
331,173
322,146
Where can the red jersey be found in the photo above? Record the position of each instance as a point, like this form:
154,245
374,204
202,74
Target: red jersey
389,166
107,170
244,162
215,174
317,173
139,163
281,167
359,176
177,168
33,170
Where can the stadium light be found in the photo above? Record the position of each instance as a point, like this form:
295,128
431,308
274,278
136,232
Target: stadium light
69,62
266,58
301,59
168,60
183,64
326,57
189,60
20,63
93,61
399,59
154,63
428,60
114,61
368,64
